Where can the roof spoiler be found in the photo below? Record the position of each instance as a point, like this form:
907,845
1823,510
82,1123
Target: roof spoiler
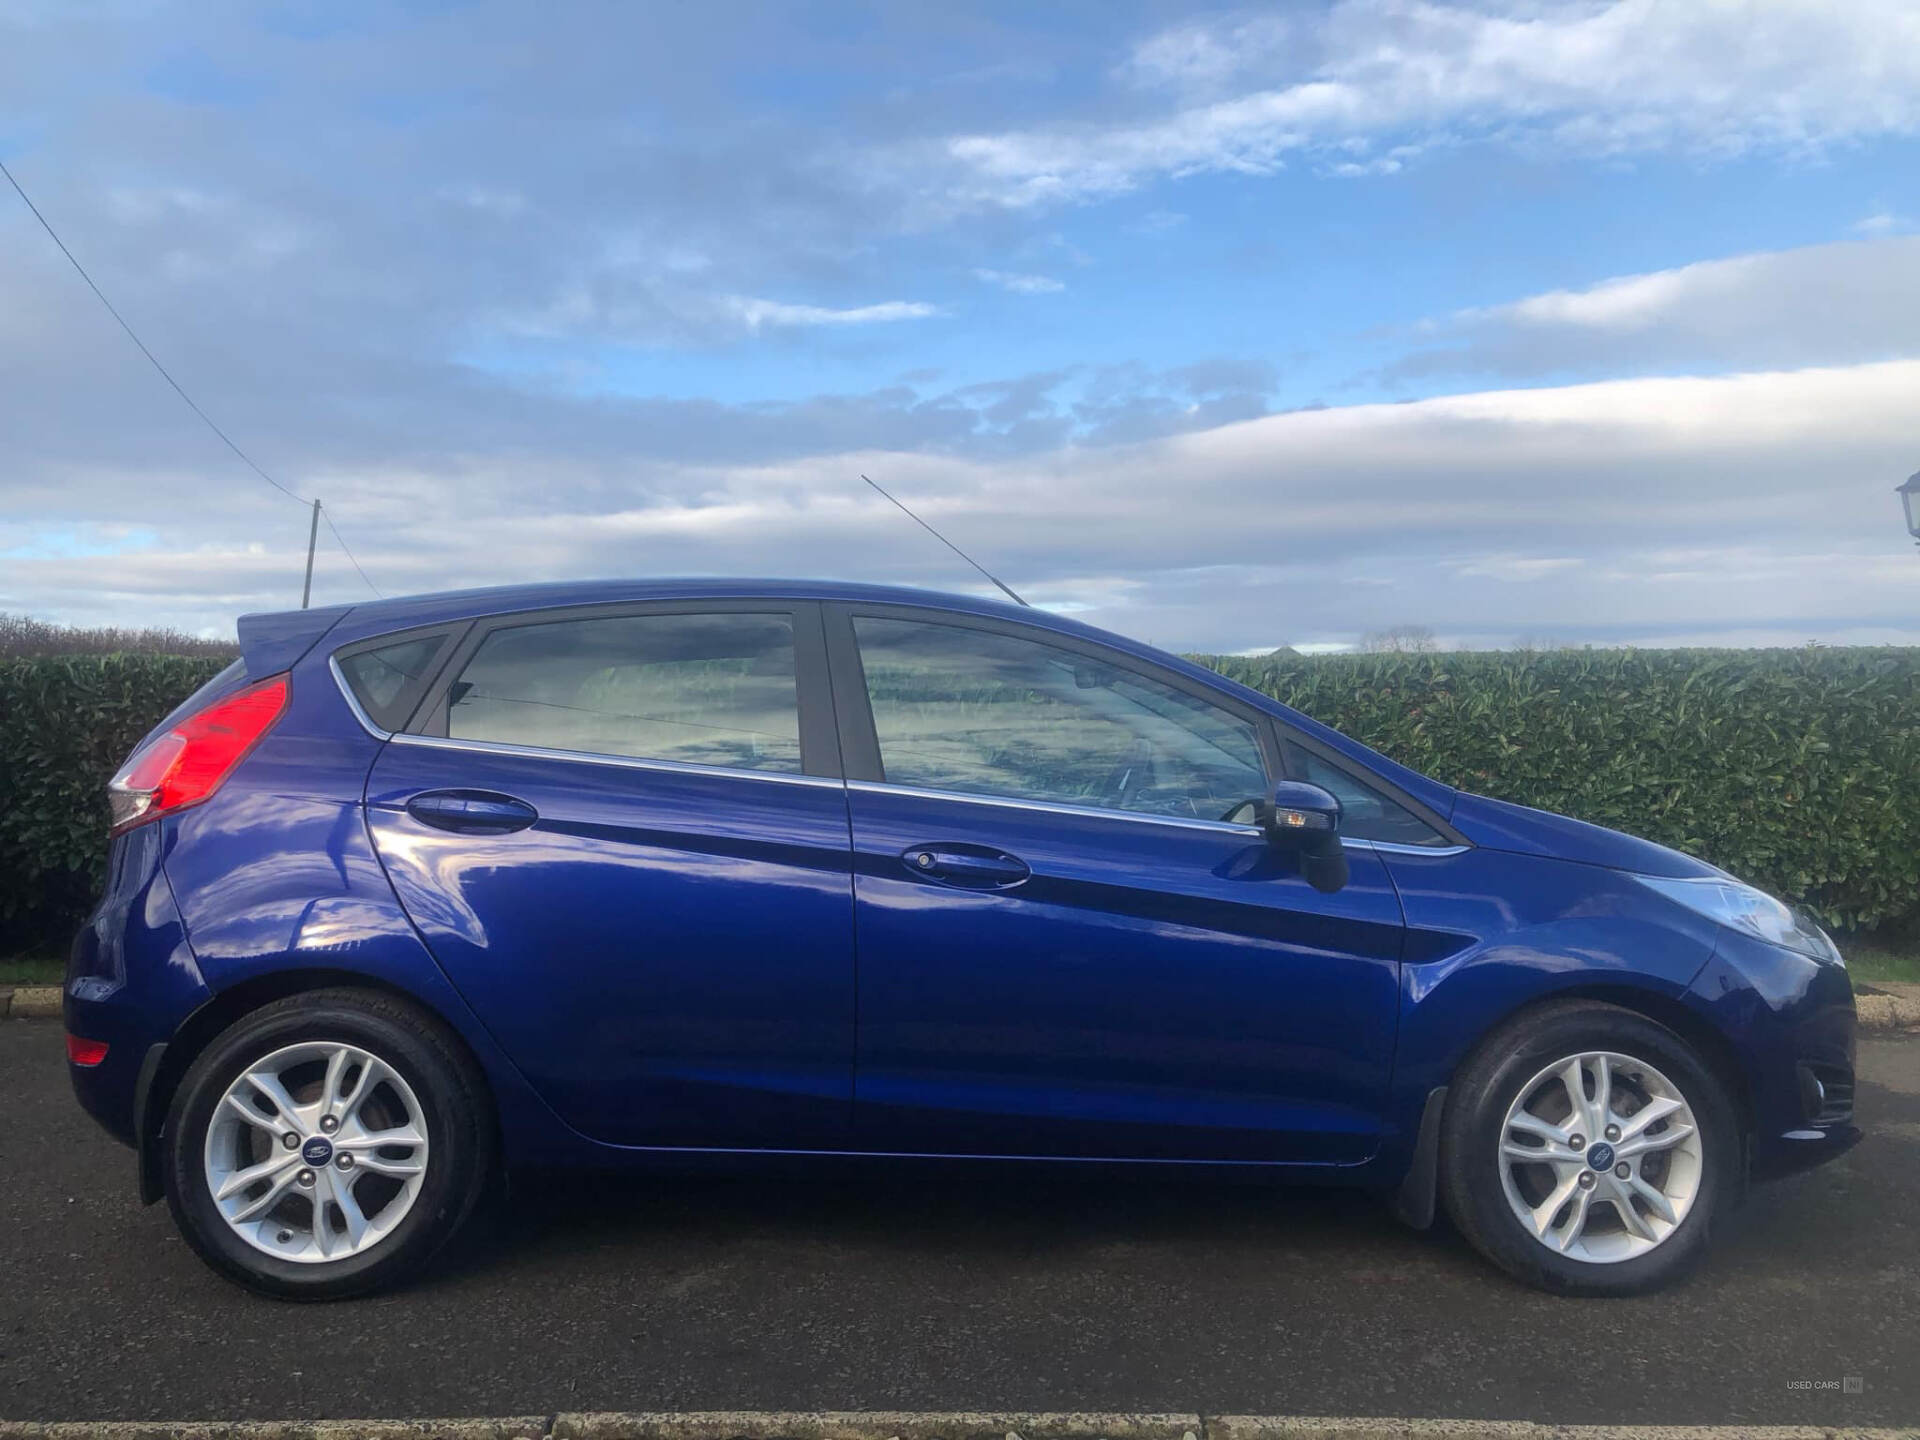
275,641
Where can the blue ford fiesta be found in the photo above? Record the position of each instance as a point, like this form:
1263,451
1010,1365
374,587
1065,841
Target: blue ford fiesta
606,874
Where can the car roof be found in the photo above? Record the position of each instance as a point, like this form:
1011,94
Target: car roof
408,610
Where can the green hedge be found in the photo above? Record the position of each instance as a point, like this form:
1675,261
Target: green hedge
1798,770
66,723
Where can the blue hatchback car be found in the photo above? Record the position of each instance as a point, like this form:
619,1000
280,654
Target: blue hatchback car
620,873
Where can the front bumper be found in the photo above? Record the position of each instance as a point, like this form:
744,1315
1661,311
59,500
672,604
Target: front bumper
1791,1023
1797,1150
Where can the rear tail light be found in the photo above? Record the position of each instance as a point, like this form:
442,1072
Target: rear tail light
88,1053
190,762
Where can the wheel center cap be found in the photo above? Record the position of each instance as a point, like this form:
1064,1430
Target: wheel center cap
319,1150
1600,1157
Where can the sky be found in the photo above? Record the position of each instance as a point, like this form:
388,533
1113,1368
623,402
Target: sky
1527,322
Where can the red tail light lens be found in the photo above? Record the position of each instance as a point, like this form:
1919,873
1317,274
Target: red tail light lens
86,1052
189,763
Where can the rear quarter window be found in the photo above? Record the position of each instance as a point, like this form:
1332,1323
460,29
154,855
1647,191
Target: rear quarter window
387,680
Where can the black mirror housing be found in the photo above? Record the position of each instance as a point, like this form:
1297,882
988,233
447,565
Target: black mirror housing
1306,818
1298,812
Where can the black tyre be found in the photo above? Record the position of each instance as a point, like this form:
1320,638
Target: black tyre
326,1145
1612,1192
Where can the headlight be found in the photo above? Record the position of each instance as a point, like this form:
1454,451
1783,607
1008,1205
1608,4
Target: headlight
1753,912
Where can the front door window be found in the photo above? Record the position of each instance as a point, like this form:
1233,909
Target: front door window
982,713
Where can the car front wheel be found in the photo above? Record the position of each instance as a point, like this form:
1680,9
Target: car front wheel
1586,1149
326,1145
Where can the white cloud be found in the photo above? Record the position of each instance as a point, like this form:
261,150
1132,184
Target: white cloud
659,306
1199,56
756,313
1742,506
1394,76
208,234
1846,301
1018,283
1632,303
485,199
1516,567
1881,223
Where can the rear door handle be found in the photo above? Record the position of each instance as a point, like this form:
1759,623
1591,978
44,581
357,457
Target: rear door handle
970,867
472,812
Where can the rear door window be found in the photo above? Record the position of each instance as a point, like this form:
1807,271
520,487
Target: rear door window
694,689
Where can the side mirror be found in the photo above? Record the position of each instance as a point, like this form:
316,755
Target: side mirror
1306,818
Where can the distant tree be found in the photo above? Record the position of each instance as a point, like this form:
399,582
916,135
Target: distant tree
22,637
1400,640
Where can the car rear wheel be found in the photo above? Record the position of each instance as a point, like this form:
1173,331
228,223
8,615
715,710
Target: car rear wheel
326,1145
1586,1149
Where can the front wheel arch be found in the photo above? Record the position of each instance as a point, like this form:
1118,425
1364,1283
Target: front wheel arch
1415,1197
1487,1074
1714,1049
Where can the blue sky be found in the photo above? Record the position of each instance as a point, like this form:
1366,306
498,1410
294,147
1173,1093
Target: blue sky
1229,327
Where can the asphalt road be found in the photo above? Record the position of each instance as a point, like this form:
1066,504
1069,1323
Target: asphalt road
1004,1291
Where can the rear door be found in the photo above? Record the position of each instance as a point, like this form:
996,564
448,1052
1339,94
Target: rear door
623,833
1066,948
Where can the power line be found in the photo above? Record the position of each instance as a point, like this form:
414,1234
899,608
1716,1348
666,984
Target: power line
350,556
165,375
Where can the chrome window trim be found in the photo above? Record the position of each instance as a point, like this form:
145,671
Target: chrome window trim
1394,847
628,762
353,701
1050,807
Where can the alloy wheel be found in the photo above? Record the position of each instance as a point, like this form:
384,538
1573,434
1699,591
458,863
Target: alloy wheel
316,1152
1600,1157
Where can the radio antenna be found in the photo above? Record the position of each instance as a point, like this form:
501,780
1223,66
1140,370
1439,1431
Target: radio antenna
1005,589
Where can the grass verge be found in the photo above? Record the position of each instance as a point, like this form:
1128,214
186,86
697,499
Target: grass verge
1871,962
32,970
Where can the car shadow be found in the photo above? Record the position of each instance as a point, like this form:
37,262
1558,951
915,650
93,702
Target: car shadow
974,1215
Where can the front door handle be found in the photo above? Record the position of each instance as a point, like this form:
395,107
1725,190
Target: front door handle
970,867
472,812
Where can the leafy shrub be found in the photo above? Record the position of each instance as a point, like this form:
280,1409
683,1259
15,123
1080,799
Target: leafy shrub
66,723
22,636
1798,770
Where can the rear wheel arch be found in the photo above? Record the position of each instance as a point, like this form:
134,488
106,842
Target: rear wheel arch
228,1006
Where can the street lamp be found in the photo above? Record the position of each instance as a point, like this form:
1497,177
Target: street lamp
1909,494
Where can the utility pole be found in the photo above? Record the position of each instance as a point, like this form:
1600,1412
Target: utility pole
313,536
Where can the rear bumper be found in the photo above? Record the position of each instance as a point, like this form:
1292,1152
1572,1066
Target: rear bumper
131,980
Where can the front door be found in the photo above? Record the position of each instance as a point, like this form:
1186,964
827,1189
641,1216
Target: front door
625,840
1065,948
